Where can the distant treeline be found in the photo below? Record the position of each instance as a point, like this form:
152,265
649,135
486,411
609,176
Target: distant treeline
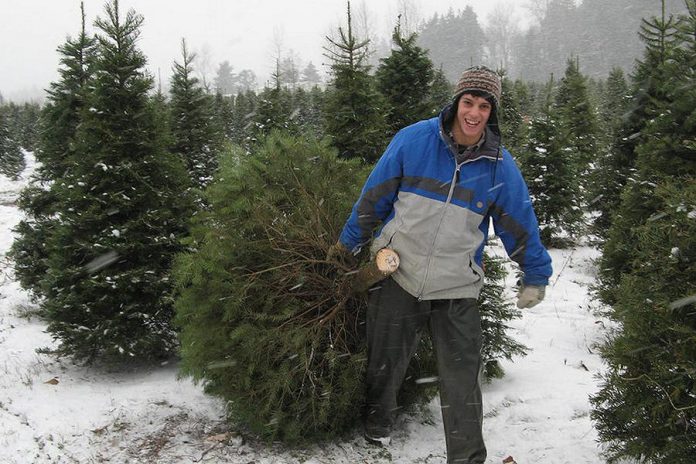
602,33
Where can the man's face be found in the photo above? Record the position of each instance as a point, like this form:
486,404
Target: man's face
472,116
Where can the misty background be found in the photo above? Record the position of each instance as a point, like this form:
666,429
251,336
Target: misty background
529,39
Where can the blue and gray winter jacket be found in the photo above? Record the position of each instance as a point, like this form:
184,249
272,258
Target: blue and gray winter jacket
432,205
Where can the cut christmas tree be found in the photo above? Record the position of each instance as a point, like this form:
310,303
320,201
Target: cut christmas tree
267,322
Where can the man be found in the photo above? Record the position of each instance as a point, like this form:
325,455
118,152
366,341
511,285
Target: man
431,194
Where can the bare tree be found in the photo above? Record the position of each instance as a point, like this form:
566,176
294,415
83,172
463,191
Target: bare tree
538,9
363,22
205,66
502,29
410,14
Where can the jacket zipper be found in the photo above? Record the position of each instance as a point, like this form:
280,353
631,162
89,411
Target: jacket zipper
455,178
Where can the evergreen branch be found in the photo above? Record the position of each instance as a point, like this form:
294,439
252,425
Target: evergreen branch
664,390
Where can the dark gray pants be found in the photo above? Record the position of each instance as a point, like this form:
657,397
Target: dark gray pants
395,320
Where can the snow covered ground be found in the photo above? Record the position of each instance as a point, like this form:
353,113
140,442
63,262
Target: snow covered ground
52,411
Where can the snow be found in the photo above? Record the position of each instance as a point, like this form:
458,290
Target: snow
53,411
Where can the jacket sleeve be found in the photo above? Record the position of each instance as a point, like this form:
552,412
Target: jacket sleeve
516,224
377,198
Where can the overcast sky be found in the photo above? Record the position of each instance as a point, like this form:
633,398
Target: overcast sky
247,33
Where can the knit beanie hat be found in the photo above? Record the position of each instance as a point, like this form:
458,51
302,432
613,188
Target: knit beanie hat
482,79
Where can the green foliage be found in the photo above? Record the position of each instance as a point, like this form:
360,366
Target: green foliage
646,408
496,312
55,152
656,134
354,111
404,79
273,111
578,118
28,251
440,93
59,120
22,122
266,322
243,118
65,103
121,212
512,126
615,158
223,109
307,117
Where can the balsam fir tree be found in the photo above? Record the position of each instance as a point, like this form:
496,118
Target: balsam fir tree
194,131
123,211
637,200
22,122
266,322
512,126
615,157
354,111
578,119
59,120
404,79
548,167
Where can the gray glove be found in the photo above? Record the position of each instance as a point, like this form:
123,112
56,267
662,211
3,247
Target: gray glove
529,296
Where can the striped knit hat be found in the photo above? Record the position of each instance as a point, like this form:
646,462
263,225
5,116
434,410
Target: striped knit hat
482,79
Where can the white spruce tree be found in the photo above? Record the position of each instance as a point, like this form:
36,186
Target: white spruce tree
122,213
